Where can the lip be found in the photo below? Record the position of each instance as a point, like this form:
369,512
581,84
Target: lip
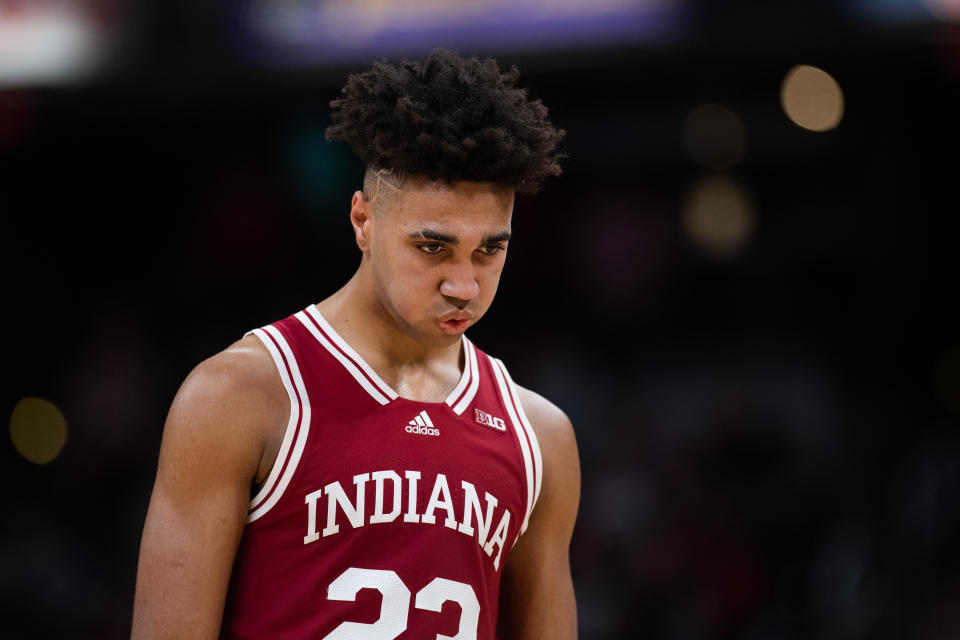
462,314
454,327
455,322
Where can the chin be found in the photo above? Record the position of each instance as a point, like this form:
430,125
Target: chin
435,336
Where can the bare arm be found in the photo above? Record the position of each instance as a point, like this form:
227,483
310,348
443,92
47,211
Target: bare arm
214,443
536,596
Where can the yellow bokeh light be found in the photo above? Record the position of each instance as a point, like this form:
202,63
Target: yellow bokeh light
718,216
38,430
811,98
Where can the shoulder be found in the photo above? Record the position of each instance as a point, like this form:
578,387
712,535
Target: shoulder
239,378
233,401
552,427
551,523
558,449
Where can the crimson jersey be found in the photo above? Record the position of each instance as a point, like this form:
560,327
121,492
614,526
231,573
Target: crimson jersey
383,517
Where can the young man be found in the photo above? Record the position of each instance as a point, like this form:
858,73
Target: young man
403,486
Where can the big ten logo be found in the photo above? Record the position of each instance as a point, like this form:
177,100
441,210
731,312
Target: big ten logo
488,420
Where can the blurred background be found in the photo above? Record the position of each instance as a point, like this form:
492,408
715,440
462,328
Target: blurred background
741,290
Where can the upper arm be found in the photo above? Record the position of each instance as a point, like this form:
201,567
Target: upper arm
537,598
213,443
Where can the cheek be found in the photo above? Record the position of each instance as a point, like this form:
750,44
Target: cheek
410,285
394,266
490,280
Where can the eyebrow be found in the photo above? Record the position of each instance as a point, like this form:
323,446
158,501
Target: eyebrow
430,234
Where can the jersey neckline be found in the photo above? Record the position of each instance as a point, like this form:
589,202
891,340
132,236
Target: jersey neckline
458,399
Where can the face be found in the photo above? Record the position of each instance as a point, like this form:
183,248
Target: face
435,252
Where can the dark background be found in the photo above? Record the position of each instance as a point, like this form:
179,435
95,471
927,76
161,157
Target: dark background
767,440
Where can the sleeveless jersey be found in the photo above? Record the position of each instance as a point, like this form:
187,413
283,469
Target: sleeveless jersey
382,517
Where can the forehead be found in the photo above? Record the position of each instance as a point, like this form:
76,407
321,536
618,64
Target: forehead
459,206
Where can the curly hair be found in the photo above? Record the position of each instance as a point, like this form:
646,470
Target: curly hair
449,118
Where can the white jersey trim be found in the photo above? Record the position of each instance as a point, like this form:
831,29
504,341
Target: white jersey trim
531,434
364,374
471,374
298,426
351,353
529,448
352,368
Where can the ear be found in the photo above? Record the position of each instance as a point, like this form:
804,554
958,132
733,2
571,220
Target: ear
361,217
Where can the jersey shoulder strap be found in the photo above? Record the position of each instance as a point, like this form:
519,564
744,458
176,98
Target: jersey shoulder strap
517,422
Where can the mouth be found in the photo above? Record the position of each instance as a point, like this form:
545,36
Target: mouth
455,322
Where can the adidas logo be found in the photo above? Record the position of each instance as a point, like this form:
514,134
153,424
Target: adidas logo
422,424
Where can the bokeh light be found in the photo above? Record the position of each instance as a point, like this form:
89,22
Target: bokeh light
811,98
49,42
38,430
946,10
715,136
718,216
946,379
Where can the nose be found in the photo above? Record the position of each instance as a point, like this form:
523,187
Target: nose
460,285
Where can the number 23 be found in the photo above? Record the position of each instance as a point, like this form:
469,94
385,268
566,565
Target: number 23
395,605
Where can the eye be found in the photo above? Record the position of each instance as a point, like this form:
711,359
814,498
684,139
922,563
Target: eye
430,247
492,249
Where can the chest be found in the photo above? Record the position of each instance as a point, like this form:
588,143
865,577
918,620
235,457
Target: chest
413,469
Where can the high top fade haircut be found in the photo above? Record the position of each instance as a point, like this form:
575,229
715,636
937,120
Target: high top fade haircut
448,118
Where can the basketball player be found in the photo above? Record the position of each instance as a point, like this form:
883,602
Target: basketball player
402,485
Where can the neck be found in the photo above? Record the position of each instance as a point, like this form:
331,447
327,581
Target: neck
400,359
